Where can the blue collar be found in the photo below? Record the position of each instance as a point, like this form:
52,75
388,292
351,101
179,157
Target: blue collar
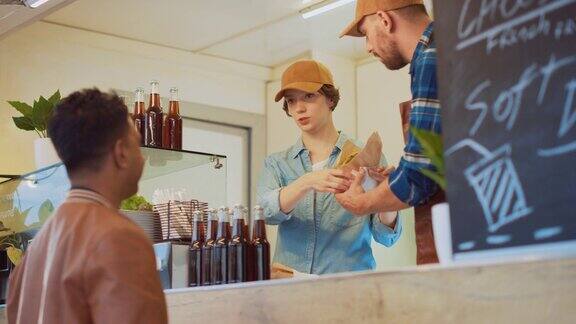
299,147
423,44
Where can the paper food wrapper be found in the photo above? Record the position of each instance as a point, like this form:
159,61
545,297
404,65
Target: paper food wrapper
353,158
280,271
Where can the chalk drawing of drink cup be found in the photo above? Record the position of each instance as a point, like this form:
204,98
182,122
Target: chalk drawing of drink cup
496,184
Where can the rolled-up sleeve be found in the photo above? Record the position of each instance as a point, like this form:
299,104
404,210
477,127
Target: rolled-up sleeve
411,186
383,234
268,194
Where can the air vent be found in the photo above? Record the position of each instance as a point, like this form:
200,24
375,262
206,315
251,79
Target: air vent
11,2
4,16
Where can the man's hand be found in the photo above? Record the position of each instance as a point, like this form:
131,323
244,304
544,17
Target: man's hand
380,199
380,173
353,199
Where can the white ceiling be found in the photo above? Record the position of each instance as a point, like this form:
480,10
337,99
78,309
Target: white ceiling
261,32
13,16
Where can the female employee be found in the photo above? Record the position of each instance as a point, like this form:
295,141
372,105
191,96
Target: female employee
297,186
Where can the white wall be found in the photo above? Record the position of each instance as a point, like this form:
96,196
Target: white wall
44,57
379,91
429,7
344,73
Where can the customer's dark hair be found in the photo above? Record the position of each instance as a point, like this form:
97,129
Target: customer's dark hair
328,91
85,125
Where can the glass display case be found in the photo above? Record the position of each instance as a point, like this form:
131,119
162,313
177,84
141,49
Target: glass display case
27,201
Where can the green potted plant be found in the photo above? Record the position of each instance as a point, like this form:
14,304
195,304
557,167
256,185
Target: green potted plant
35,118
14,231
11,245
433,148
10,256
18,226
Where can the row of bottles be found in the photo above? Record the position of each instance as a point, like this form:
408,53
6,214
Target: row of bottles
156,128
222,255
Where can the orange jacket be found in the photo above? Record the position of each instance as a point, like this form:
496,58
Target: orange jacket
88,264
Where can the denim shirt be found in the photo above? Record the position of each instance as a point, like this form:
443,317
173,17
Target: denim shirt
318,236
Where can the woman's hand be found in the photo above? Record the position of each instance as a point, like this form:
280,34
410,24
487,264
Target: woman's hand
330,180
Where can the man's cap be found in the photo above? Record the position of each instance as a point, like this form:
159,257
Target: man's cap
368,7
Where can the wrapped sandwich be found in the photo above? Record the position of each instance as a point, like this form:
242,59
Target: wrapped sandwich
352,158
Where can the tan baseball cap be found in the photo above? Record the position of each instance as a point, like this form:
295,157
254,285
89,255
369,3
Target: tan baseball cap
306,75
368,7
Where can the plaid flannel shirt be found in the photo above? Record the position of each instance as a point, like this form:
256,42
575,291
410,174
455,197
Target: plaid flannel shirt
406,182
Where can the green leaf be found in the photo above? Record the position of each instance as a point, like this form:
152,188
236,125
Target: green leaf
16,222
55,98
41,113
431,145
433,148
23,108
438,178
136,203
24,123
14,254
46,209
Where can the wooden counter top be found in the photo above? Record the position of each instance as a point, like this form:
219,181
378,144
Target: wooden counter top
531,292
527,292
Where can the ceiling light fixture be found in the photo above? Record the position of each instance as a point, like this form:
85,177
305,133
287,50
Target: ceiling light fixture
323,7
35,3
27,3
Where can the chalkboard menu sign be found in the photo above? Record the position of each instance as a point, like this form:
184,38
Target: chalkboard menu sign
507,73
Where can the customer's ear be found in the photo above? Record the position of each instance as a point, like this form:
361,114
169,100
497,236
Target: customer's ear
121,152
